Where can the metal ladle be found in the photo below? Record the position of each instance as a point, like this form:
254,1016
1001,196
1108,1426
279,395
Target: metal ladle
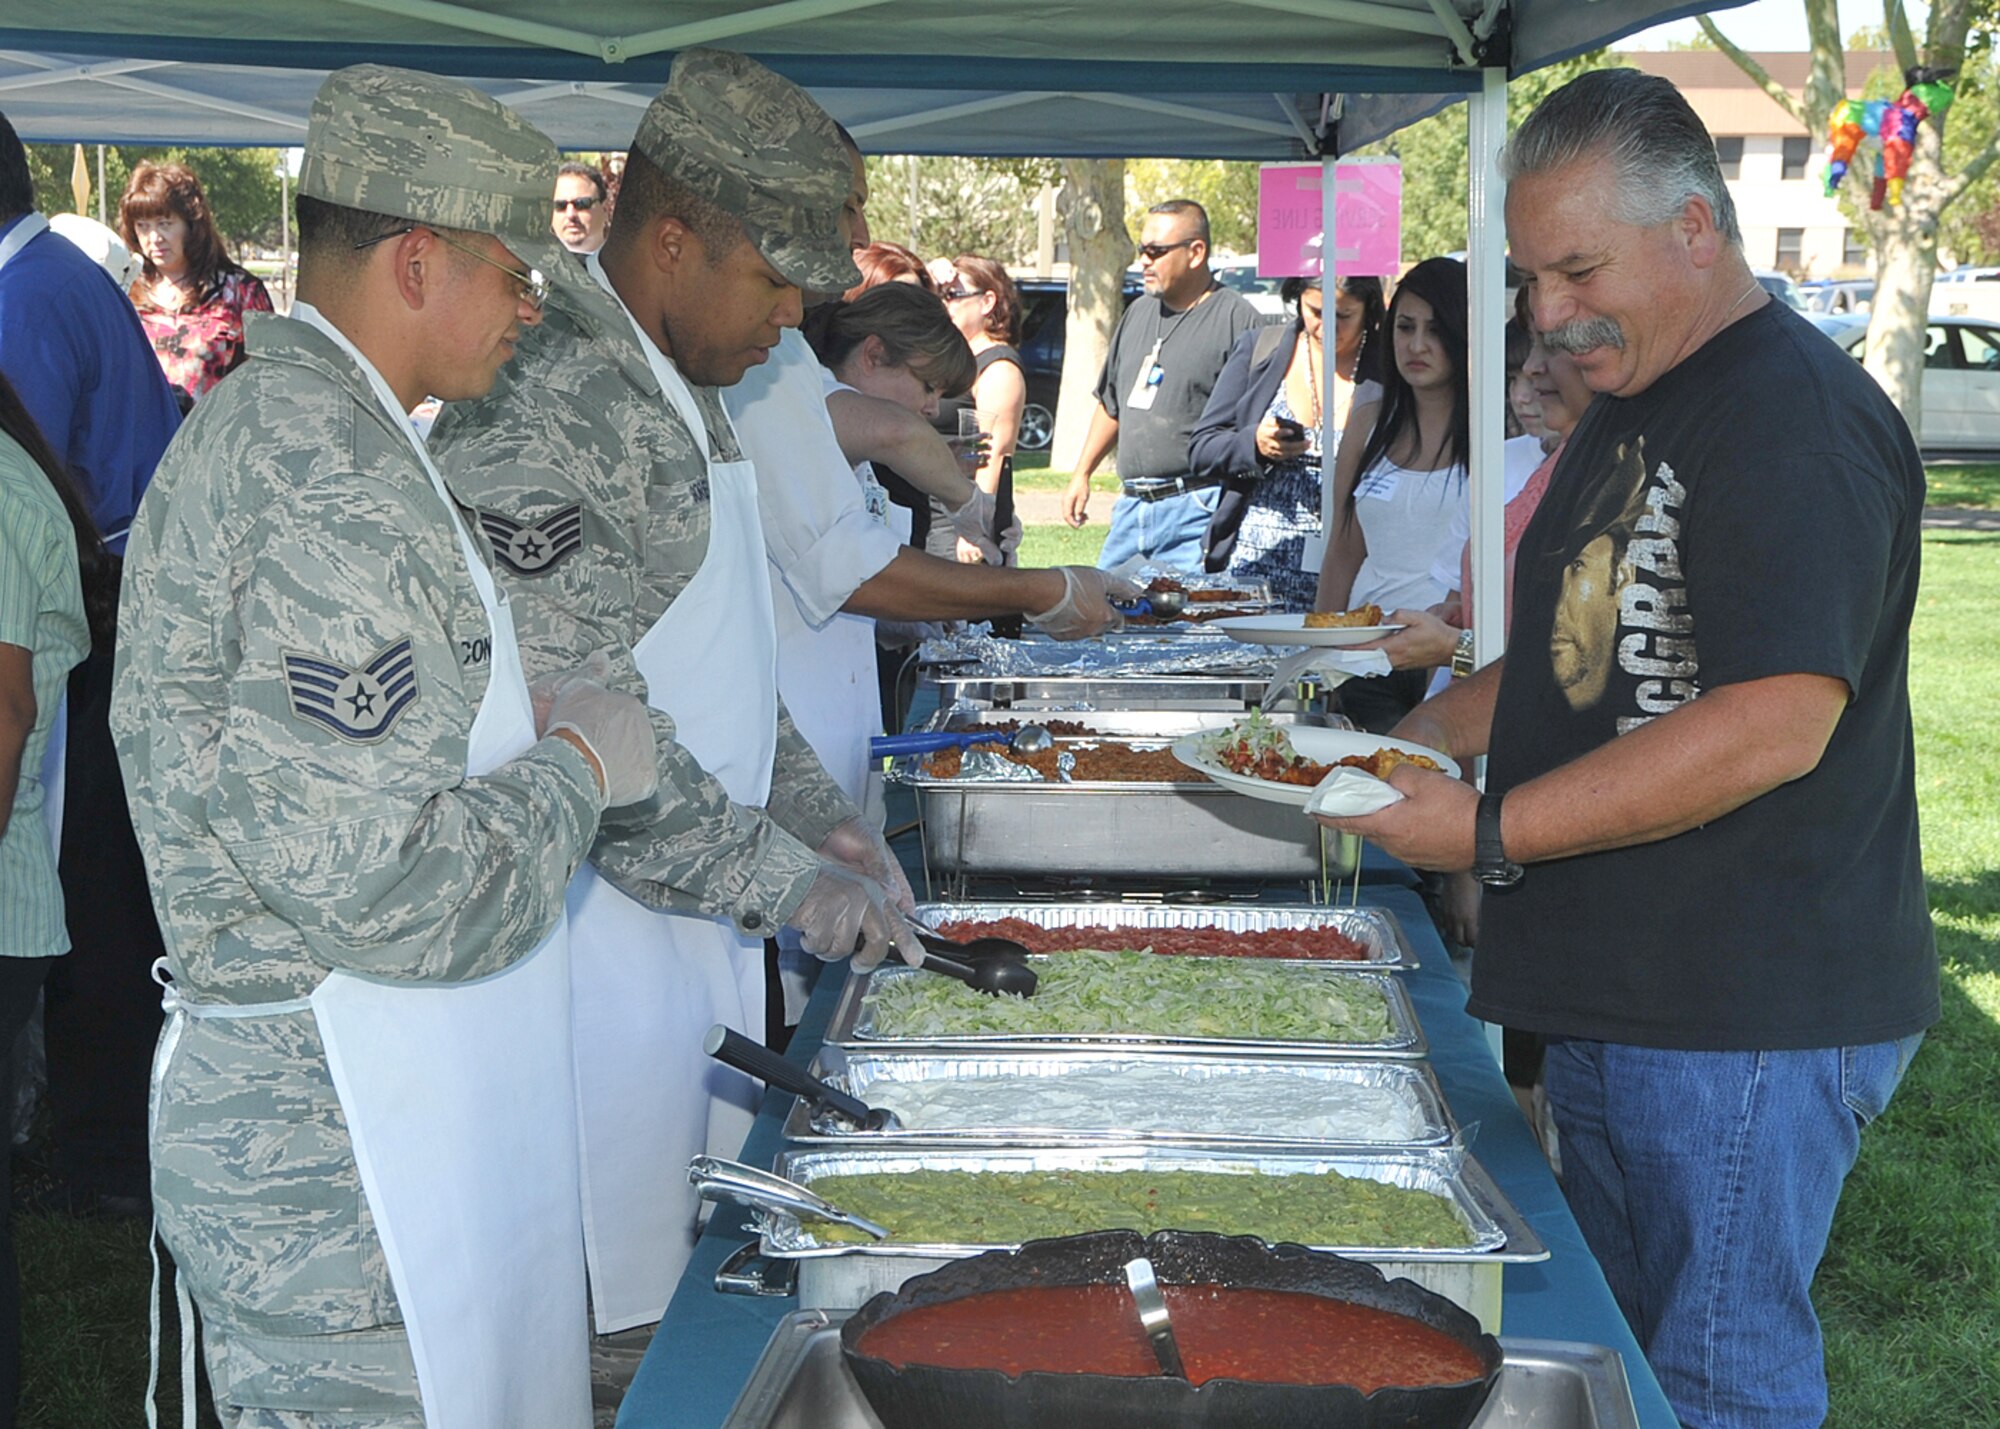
1153,1317
1028,739
716,1178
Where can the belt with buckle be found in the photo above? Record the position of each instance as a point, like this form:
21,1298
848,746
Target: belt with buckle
1161,490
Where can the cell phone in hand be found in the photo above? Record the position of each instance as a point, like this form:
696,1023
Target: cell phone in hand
1290,430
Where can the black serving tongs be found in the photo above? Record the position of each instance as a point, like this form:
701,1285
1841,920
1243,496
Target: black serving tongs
994,965
759,1061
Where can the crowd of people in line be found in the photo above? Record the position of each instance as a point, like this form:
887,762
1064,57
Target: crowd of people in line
497,642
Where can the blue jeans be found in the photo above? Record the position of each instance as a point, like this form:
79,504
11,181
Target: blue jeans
1705,1184
1167,533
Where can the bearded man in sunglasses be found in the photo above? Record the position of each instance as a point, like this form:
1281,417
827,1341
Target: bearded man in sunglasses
1164,359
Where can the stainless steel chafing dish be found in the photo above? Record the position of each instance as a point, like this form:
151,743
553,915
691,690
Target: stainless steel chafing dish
1233,693
1376,929
865,1075
801,1382
1119,830
843,1276
853,1025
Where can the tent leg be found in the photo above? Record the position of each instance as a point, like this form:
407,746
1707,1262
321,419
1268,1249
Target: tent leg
1485,257
1329,428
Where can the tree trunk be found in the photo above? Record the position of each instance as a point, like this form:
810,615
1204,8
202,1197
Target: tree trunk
1093,215
1905,242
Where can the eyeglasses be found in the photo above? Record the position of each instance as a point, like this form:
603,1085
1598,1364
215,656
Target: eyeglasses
581,205
1154,252
957,291
534,285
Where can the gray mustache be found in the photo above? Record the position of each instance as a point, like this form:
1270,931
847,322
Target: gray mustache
1584,334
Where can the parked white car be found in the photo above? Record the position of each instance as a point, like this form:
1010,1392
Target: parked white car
1961,379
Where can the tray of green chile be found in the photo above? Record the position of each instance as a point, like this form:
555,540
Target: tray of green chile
1352,937
802,1382
1431,1214
1265,1337
1096,1094
1136,999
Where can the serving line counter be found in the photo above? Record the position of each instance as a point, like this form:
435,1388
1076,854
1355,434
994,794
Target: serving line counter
709,1342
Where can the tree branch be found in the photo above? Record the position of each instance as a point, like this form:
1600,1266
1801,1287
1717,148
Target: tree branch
1780,96
1954,188
1896,20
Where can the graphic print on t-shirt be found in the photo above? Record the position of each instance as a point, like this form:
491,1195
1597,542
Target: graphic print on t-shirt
1623,603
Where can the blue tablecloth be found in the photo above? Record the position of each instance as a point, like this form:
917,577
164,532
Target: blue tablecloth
708,1343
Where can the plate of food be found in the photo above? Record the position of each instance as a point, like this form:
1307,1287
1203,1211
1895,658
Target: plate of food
1321,628
1266,761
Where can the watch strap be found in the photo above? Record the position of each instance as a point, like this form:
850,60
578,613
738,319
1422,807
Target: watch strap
1490,864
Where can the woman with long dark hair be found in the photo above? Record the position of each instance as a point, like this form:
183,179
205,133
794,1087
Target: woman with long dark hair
1396,491
191,295
50,556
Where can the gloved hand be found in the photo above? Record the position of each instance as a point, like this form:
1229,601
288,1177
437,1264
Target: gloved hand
542,693
845,914
1085,609
974,522
616,729
860,845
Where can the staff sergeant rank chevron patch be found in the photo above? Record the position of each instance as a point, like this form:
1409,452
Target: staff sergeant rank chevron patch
360,706
534,550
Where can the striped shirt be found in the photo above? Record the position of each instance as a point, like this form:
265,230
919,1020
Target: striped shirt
41,611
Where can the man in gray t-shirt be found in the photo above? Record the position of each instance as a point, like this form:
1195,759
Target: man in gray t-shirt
1164,358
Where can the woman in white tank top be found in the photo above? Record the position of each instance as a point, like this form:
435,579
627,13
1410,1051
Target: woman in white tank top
1395,492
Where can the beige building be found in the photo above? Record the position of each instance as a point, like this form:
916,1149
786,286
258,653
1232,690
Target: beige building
1775,169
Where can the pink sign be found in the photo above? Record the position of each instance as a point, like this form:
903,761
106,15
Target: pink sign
1367,216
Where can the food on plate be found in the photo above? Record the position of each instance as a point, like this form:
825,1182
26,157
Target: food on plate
1370,614
1327,943
927,1207
1096,760
1224,1332
1258,749
1137,994
1268,1101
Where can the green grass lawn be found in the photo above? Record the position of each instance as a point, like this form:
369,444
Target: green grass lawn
1965,484
1910,1291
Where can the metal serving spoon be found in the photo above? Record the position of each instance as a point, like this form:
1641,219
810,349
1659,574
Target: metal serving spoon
1162,604
1028,739
1153,1317
735,1050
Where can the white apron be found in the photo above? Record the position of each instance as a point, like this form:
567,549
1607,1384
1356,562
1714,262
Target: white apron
460,1103
648,985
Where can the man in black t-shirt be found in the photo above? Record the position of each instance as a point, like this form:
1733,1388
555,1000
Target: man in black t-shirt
1165,356
1702,737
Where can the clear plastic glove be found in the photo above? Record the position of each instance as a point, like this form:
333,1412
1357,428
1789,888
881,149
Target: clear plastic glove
618,732
596,668
1085,609
974,523
846,913
860,845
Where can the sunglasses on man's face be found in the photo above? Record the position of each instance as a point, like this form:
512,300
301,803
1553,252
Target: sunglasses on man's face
581,205
1154,252
530,283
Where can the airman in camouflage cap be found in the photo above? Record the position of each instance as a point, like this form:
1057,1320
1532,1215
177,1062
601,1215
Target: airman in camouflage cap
417,146
759,148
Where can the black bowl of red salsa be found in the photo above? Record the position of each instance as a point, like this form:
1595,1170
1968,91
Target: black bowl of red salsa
1273,1336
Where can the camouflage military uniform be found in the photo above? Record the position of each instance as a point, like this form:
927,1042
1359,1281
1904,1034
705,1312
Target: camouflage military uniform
595,495
301,655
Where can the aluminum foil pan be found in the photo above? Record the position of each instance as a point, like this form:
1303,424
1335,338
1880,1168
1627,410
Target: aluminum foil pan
1376,929
1147,653
1438,1170
874,1076
853,1026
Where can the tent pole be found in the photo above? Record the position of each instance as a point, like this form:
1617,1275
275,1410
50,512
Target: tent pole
1329,427
101,209
1486,276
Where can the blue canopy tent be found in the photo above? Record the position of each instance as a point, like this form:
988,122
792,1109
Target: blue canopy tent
1236,79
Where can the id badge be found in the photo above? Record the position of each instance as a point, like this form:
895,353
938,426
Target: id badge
1147,385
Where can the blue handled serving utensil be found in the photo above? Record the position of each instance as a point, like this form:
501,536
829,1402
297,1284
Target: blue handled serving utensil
1160,604
1028,739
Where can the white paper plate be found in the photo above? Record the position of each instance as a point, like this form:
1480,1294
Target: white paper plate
1291,630
1321,745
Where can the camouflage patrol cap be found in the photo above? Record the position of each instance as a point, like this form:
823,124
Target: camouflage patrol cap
421,147
759,148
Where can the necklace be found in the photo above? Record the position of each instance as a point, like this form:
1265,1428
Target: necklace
1312,376
1748,293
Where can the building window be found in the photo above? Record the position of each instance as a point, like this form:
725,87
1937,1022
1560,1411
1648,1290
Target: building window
1730,152
1791,241
1853,251
1797,152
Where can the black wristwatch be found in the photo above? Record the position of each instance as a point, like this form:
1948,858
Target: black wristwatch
1490,864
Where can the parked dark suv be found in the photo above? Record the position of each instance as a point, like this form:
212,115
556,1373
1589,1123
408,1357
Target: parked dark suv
1044,319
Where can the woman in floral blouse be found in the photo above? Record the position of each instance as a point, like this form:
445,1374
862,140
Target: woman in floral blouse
191,295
